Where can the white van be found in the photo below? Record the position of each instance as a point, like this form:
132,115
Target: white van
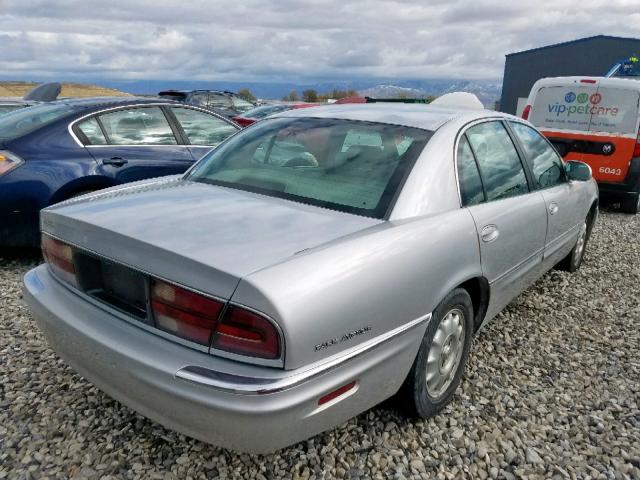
595,120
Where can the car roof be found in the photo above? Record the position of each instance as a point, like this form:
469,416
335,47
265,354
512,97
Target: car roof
427,117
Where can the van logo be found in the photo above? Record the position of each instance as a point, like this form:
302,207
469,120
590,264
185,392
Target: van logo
595,98
606,148
570,97
582,98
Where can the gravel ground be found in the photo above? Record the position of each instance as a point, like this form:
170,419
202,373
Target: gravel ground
552,390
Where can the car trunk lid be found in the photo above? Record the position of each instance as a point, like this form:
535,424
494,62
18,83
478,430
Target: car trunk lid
202,236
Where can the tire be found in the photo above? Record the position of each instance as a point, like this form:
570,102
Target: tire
422,397
572,262
631,204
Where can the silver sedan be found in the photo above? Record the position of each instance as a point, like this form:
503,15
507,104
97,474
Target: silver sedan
310,267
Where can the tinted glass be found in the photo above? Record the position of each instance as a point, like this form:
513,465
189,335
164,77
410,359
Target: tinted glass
241,105
138,126
218,100
92,132
202,128
471,191
26,120
546,164
500,167
317,161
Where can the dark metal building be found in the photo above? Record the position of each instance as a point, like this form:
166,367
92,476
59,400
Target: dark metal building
585,56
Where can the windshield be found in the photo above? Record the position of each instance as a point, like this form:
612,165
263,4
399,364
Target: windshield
265,111
26,120
345,165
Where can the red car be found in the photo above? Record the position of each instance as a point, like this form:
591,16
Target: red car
258,113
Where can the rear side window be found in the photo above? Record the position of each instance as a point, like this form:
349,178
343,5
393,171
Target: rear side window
471,191
500,167
202,128
92,132
548,169
137,126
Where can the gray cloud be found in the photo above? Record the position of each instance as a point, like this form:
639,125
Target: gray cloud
285,39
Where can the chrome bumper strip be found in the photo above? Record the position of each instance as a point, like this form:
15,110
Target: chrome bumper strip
266,385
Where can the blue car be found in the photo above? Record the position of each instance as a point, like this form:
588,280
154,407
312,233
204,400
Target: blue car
55,151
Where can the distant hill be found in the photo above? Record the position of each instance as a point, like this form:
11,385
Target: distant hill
488,91
19,89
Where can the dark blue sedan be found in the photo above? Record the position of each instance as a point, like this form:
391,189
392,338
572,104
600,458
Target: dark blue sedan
58,150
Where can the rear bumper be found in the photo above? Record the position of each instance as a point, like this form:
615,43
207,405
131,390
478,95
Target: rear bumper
215,401
630,186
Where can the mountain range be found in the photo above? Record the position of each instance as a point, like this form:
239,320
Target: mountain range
487,91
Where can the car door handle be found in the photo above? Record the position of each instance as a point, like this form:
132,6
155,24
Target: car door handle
553,208
489,233
115,161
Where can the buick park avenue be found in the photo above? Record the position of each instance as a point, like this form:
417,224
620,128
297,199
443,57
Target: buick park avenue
308,268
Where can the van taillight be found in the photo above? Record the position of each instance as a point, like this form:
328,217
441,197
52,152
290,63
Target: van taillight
59,257
587,80
636,150
526,112
245,332
184,313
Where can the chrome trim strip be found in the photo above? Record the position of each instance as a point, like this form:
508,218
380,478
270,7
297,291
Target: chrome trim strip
150,104
267,385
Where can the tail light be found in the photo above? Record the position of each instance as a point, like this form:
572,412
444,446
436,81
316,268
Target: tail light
526,112
195,317
636,150
336,393
184,313
8,161
244,332
587,80
59,257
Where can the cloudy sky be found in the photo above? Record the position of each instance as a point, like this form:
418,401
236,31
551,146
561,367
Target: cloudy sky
254,40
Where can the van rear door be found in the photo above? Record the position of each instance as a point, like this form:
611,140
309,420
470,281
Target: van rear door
563,114
614,127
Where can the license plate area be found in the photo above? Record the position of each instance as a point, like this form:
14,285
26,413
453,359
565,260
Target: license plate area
119,286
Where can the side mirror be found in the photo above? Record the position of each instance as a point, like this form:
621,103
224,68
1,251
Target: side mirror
578,171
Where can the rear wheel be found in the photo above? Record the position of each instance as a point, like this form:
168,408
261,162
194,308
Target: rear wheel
631,203
439,365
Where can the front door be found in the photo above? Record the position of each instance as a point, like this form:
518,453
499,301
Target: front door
561,197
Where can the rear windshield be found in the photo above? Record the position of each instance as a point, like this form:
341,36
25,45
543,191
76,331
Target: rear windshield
345,165
586,108
10,108
26,120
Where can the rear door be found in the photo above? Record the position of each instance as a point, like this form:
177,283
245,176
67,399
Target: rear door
510,216
202,130
134,143
613,126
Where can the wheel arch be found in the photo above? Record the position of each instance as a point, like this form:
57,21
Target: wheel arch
480,292
79,185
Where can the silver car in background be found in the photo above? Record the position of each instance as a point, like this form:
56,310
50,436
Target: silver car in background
308,268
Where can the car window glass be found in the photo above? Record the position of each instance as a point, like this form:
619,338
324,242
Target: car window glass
471,191
138,126
26,120
217,100
92,132
201,99
241,105
548,169
203,128
341,164
502,172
